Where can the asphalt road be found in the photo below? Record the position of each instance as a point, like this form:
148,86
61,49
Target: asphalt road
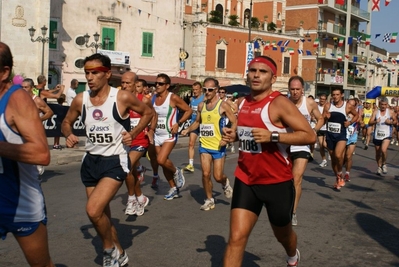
357,226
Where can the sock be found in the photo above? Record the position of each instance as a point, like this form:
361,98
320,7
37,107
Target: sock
140,168
131,198
292,260
177,171
191,161
109,250
347,173
140,198
155,175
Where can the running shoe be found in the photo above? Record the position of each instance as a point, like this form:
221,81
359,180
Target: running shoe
110,259
40,169
296,264
384,169
179,178
341,182
172,194
397,143
189,168
379,171
142,173
294,220
227,190
366,147
123,259
347,178
208,205
141,205
131,207
155,182
323,163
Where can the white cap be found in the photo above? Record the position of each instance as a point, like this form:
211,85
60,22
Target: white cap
351,97
317,100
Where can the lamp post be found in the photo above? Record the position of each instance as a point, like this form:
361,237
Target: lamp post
42,39
96,44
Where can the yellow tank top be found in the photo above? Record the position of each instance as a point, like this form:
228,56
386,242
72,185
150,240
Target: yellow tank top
367,115
211,127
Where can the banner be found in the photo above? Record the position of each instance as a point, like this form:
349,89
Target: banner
52,126
117,57
249,55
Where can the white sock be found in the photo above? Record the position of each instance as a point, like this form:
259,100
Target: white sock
131,198
347,173
292,260
191,161
140,198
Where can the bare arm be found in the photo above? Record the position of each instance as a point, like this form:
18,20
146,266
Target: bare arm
73,113
44,108
181,105
195,124
351,109
53,93
22,116
314,108
154,120
372,120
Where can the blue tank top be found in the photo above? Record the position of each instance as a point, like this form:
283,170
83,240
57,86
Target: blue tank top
194,106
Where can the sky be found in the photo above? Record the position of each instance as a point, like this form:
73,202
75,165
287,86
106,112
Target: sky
384,21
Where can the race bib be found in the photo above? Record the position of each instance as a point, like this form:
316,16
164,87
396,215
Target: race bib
134,122
247,142
101,134
207,130
161,124
334,127
351,130
194,108
381,134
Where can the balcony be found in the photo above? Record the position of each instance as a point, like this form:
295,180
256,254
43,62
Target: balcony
356,34
362,14
331,6
335,30
356,81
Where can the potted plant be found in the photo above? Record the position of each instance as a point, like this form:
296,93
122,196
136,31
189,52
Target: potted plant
233,20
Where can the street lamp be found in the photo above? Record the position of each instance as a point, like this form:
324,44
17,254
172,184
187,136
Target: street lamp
96,44
42,39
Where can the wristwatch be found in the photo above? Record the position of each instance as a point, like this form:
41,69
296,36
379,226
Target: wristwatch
275,137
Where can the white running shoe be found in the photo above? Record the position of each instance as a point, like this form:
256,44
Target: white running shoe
131,207
111,259
40,169
141,205
227,190
323,163
208,205
179,178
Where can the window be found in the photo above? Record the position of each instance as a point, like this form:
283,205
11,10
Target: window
286,67
148,38
110,33
80,40
81,87
53,27
221,58
79,63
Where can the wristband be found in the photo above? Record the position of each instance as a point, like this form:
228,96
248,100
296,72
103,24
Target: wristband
275,137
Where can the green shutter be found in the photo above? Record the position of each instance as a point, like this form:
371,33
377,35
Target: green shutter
110,33
53,27
81,87
147,44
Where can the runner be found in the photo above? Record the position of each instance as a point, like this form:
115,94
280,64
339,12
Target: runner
23,144
301,155
166,134
321,134
266,120
383,119
210,118
137,201
105,113
336,114
195,100
367,128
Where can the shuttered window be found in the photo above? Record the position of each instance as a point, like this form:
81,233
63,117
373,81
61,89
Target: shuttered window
110,33
148,38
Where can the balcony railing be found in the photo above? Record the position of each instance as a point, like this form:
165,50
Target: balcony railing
339,30
356,81
361,13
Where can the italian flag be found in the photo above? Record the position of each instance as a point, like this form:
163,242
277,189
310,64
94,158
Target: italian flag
368,39
291,51
316,42
393,37
341,41
339,57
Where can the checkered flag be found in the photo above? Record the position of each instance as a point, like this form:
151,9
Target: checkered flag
387,37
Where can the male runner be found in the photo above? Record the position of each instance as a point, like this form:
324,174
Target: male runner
195,100
321,134
210,118
367,128
105,113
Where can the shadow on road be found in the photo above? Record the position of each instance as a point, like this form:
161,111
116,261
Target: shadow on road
215,246
381,231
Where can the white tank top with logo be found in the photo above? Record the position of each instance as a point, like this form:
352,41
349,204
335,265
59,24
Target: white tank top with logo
305,112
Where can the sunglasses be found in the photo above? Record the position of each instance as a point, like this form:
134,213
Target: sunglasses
159,83
210,89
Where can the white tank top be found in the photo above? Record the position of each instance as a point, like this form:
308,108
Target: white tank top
104,126
305,112
382,130
321,109
167,116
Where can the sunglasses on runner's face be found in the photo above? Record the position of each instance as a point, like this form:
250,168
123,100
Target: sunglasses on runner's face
159,83
210,89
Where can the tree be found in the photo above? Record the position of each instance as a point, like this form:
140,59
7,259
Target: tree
255,23
271,27
233,20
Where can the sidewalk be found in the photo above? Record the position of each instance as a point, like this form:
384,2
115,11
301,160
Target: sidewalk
69,155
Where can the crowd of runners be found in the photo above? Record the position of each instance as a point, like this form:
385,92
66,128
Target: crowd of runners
276,138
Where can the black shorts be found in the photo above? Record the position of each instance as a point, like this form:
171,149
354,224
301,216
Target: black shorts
277,198
301,155
96,167
321,133
379,142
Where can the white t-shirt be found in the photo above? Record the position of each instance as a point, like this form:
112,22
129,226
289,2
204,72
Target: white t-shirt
70,95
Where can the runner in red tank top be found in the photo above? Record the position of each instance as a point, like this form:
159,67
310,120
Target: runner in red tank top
267,124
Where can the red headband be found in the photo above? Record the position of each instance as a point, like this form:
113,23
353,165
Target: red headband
99,68
264,61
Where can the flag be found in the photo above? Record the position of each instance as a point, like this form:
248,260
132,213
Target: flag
280,43
375,5
387,2
350,40
354,58
332,54
274,47
300,51
286,42
320,1
341,41
308,53
291,51
340,2
316,42
368,39
377,35
347,56
303,40
282,49
393,61
379,60
359,38
256,45
385,60
393,37
339,57
297,41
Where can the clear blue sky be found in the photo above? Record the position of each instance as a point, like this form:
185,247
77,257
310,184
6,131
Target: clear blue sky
384,21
